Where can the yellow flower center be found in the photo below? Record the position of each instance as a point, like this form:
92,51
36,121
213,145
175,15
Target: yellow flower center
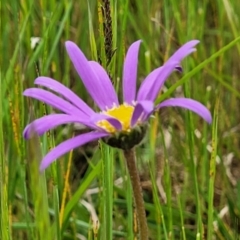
123,113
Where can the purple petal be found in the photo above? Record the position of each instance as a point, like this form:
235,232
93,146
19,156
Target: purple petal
65,92
189,104
142,111
183,50
89,77
68,145
153,83
106,82
147,84
46,123
130,73
179,68
54,101
113,121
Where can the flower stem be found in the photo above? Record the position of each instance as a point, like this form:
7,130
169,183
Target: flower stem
130,157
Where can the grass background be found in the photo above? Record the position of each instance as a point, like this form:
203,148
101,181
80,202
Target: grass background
190,171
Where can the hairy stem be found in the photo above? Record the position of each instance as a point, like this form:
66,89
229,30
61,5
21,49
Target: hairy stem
130,157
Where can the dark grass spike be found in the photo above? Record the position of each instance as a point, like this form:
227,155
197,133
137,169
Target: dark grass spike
107,29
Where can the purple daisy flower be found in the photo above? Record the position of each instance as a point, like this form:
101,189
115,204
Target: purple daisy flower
119,125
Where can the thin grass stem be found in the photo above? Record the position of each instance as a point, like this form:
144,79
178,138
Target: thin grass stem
130,156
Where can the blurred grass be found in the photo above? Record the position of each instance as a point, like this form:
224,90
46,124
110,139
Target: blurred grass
180,150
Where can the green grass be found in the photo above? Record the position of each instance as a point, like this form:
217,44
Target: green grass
198,164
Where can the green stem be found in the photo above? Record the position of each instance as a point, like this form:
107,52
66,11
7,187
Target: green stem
130,157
